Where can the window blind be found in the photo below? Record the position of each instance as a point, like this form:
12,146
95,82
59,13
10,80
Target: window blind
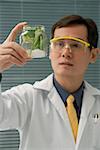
44,12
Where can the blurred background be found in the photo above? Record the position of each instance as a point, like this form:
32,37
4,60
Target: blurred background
37,12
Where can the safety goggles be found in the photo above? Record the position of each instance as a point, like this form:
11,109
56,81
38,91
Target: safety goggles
75,44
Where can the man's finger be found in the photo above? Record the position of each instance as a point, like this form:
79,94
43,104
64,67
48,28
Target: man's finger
15,31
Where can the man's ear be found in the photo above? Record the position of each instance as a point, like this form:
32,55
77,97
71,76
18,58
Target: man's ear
94,53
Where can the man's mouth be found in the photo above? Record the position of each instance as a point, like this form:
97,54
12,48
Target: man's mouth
66,64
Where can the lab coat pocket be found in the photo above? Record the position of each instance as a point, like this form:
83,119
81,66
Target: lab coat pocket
96,131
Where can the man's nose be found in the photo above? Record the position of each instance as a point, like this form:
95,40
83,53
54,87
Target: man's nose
67,52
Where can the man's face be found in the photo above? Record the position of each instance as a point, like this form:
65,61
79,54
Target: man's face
67,62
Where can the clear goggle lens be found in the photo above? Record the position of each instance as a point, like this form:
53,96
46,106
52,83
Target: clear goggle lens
72,43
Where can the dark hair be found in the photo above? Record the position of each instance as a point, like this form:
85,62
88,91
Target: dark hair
79,20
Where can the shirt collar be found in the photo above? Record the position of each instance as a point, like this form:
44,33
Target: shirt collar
78,94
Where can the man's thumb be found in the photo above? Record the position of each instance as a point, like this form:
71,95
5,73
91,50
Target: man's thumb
13,34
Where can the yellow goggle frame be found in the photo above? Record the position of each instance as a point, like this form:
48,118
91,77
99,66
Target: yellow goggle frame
72,38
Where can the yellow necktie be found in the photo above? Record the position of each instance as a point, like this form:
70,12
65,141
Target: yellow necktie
72,115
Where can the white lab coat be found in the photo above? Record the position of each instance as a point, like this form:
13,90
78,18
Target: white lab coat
39,114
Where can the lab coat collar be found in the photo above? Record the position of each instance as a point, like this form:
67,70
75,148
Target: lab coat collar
47,84
92,90
54,97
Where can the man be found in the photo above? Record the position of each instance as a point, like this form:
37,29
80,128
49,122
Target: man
41,111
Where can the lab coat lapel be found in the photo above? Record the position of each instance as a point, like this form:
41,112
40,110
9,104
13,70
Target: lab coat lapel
59,106
88,101
54,97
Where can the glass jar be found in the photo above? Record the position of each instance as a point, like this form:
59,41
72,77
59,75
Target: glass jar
34,40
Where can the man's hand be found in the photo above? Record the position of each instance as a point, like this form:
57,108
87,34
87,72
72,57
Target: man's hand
11,52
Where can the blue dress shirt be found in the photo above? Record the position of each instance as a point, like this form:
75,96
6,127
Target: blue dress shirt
78,95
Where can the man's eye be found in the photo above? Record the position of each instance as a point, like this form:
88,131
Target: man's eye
76,45
60,44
